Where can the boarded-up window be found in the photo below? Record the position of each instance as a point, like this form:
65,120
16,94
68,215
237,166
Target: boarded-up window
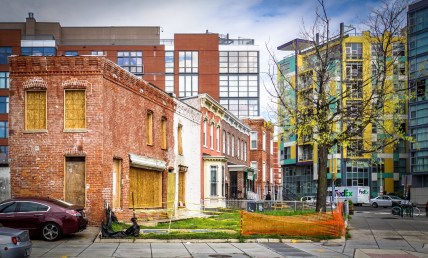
75,109
116,198
180,139
149,128
163,134
146,186
35,110
181,188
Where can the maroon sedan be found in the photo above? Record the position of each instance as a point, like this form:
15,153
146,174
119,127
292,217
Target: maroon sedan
45,217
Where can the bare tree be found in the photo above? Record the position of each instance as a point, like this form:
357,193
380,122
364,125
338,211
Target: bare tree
338,92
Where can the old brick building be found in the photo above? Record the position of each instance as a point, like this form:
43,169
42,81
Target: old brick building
84,130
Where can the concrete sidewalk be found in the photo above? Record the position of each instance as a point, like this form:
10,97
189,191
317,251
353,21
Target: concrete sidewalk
384,235
373,235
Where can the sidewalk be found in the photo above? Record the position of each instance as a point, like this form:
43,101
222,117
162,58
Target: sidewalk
373,235
385,235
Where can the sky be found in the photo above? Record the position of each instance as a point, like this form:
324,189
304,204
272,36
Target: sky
270,23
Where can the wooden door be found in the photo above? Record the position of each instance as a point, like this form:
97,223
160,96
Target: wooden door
75,180
171,194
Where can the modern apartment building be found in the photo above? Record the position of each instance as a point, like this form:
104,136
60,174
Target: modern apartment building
418,106
226,69
352,65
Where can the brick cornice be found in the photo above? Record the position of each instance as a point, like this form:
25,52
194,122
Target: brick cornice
41,66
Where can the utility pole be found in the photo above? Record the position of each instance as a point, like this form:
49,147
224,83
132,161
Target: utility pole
380,175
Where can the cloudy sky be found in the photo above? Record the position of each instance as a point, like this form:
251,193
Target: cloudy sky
270,22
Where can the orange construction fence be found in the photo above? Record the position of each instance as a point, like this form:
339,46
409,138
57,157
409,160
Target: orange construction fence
318,224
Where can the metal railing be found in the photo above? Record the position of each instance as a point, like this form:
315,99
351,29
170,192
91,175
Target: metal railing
260,206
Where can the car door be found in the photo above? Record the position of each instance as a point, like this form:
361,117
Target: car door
380,201
385,201
7,214
31,215
388,201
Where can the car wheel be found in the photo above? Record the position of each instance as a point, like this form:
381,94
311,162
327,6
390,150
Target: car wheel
51,231
374,205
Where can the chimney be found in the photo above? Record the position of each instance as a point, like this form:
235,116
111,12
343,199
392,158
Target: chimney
30,25
342,29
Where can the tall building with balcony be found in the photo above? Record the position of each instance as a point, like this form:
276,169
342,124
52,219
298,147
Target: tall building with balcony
353,63
418,106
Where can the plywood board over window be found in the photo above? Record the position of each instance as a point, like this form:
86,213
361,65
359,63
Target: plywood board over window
171,194
75,109
180,139
35,110
146,186
163,134
149,127
75,180
117,183
181,188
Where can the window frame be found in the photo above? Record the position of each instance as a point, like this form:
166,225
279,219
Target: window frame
213,180
4,129
164,134
27,114
4,80
4,104
149,128
132,61
180,139
66,110
253,140
212,136
5,52
204,133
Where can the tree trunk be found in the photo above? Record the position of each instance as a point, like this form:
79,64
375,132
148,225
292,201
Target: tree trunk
322,178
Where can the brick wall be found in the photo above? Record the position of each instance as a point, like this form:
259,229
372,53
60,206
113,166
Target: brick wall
260,155
116,108
208,59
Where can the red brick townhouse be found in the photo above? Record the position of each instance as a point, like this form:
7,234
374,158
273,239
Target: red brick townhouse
85,130
225,171
262,156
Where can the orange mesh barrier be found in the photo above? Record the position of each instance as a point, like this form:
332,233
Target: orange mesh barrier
317,224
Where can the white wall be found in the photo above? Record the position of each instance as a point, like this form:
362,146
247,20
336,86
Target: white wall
190,120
